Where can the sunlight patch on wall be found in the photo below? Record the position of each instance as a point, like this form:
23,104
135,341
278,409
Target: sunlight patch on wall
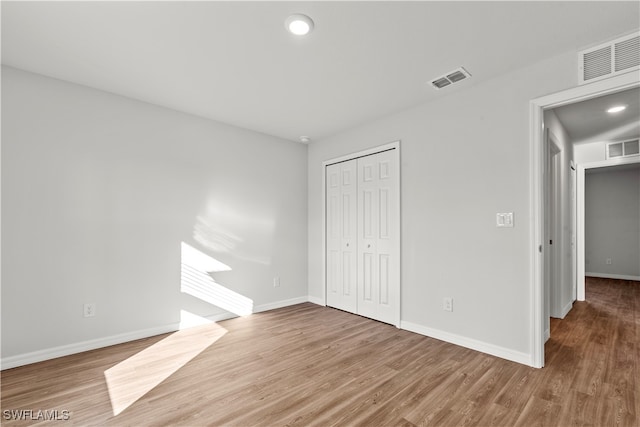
134,377
200,261
214,237
220,228
196,280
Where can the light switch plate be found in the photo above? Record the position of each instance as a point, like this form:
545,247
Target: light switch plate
504,219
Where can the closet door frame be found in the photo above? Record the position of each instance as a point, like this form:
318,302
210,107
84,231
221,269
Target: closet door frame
395,146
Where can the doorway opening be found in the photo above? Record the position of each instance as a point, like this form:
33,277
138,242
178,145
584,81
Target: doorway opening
614,266
539,266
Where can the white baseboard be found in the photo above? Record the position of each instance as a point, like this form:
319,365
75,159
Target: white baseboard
547,335
494,350
316,300
613,276
566,309
280,304
66,350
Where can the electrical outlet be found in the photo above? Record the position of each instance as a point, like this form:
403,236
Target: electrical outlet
447,304
608,261
276,282
89,310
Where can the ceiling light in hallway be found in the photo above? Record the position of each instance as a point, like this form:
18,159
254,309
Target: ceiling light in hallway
299,24
617,109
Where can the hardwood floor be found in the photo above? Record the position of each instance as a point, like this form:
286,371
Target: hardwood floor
310,365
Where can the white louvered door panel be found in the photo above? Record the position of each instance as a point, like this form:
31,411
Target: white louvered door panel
341,193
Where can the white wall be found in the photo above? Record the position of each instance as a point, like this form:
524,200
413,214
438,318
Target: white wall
591,152
562,298
99,192
464,158
612,221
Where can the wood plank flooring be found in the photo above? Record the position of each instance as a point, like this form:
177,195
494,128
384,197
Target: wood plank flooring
307,365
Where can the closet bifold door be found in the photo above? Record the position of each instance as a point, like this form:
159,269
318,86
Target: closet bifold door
341,262
378,237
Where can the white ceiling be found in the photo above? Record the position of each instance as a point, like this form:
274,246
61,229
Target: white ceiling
235,63
588,121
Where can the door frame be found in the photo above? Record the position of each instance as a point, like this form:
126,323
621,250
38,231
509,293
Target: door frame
573,209
580,205
553,198
395,146
536,192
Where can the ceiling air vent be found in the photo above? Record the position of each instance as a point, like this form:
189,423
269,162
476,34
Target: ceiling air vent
452,77
631,148
623,149
614,150
609,59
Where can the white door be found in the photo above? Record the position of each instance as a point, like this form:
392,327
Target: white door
362,220
378,238
553,260
554,237
341,185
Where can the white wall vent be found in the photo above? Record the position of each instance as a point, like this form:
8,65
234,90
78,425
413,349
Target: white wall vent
450,78
623,149
609,59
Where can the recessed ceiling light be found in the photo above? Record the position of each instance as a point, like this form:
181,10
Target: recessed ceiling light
305,139
617,109
298,24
